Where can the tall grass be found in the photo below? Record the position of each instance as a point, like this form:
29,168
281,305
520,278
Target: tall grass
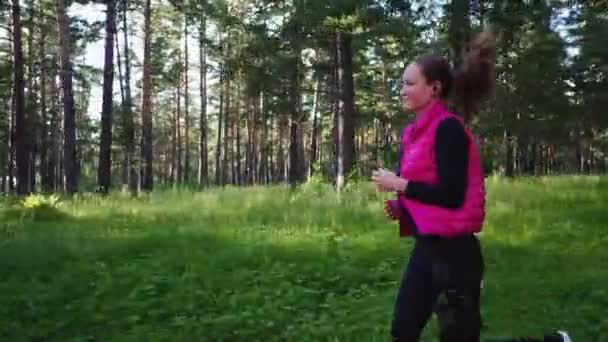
267,263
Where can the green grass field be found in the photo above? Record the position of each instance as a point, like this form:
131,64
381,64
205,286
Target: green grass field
262,264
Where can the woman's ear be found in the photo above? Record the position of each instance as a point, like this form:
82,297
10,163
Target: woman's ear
436,89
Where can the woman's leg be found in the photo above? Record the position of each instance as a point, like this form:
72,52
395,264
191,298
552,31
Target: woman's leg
457,273
415,299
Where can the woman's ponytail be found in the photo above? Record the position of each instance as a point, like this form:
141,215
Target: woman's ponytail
475,79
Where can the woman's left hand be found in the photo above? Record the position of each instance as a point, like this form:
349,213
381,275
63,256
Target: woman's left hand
388,181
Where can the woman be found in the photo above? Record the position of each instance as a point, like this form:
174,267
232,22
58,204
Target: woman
441,197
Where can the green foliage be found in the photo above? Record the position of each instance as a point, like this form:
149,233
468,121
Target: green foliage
275,264
35,207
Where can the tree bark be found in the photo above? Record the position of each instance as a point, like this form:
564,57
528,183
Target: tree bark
70,157
173,127
129,170
203,165
281,164
104,174
55,134
509,170
178,120
459,29
21,146
237,128
30,112
186,105
314,139
218,145
346,108
295,160
147,179
227,125
45,178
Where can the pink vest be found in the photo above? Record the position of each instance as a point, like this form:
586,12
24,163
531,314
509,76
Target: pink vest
418,164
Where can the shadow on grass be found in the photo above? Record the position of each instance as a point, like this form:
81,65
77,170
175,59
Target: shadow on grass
167,284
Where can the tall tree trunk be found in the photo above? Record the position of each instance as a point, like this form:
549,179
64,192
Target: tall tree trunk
346,108
335,109
55,133
186,104
236,134
174,174
129,170
21,147
30,112
459,29
262,174
44,127
314,139
269,143
220,119
70,157
147,179
259,138
249,105
12,158
104,174
203,165
6,131
227,125
120,75
233,157
178,127
509,170
281,164
295,171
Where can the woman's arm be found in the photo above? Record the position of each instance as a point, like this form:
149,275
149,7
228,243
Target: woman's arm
452,158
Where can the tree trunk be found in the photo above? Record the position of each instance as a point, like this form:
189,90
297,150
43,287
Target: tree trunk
203,166
459,29
21,129
238,173
70,157
129,170
271,167
173,119
218,145
260,149
12,158
249,147
231,160
295,160
55,133
147,178
186,104
227,125
262,174
346,108
44,127
509,172
178,119
532,159
120,75
30,112
281,164
314,139
104,174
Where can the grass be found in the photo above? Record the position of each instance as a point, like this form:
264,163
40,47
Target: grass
261,264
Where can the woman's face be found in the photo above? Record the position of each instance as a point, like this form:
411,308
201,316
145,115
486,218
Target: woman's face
416,92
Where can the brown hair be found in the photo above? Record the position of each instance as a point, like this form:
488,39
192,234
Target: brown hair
472,82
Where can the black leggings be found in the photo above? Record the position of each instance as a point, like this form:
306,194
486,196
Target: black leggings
442,276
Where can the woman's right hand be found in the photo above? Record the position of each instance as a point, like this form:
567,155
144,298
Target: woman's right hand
392,210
